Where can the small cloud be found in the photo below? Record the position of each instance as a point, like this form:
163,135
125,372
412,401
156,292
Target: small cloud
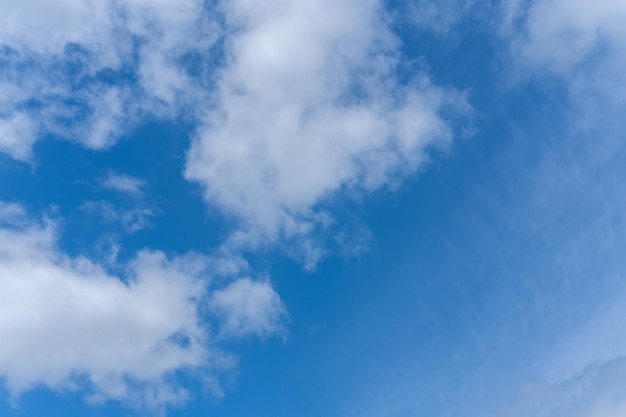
247,307
132,220
596,391
293,137
439,16
123,183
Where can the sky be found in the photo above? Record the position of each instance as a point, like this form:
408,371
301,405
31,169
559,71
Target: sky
312,209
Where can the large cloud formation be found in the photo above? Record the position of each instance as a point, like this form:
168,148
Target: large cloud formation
309,103
293,102
65,320
296,100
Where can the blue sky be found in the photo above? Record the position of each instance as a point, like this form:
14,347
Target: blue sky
321,208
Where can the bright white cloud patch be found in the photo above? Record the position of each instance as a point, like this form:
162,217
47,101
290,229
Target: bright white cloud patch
596,391
310,103
247,307
65,320
91,323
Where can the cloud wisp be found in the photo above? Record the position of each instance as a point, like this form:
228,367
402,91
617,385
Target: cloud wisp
93,78
580,43
123,183
310,104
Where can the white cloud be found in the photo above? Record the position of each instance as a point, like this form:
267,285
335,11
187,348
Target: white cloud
309,104
123,183
563,34
131,220
306,102
62,318
581,42
438,16
65,321
247,307
93,77
11,213
569,196
17,135
583,374
596,391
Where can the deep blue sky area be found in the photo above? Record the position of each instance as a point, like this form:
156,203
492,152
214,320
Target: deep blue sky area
386,209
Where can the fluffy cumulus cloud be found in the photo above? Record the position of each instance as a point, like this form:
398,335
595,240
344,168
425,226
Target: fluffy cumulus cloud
582,42
65,320
131,220
87,71
296,100
309,103
247,307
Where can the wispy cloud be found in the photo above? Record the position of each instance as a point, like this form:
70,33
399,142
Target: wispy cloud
311,100
308,102
91,79
123,183
580,43
248,308
438,16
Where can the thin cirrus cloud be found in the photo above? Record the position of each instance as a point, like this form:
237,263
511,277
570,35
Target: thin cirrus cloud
587,369
582,46
127,336
581,43
91,79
